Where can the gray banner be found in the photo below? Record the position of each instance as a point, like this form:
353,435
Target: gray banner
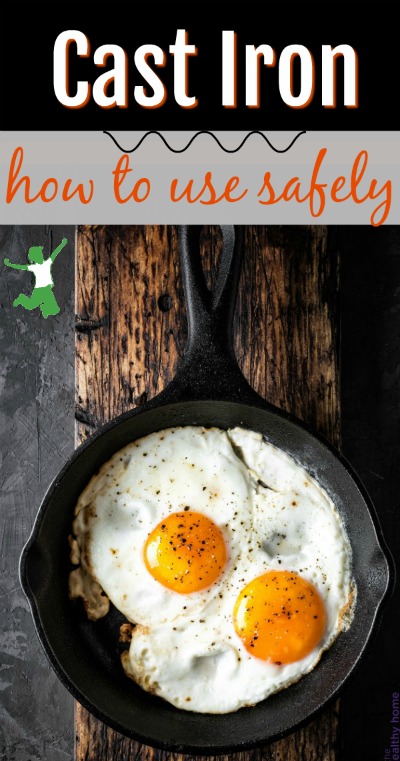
324,178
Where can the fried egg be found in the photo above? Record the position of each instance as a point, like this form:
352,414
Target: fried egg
229,559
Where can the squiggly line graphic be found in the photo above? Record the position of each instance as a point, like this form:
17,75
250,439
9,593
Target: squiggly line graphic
204,132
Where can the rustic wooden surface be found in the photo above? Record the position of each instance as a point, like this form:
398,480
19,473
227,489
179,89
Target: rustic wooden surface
131,332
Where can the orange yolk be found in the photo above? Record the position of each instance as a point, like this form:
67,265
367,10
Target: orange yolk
185,552
280,617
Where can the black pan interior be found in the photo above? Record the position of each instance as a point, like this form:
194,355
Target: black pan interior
86,654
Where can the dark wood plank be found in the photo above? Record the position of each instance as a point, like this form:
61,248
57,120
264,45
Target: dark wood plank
131,333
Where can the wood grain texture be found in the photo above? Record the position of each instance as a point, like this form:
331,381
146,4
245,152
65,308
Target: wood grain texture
131,331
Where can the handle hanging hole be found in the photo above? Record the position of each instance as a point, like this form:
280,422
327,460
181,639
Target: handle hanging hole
211,244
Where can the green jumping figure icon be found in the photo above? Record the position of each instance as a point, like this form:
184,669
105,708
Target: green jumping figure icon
42,294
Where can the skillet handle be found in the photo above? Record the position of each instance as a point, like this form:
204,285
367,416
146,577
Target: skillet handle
210,313
209,369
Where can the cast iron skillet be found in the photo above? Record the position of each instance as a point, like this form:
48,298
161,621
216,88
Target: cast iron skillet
208,390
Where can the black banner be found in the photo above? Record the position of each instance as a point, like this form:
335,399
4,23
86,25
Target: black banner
29,101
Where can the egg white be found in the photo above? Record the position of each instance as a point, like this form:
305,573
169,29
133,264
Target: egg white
274,516
161,473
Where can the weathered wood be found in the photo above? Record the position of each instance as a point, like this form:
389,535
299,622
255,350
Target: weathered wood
131,332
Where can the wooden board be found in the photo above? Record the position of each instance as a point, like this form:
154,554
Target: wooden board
131,331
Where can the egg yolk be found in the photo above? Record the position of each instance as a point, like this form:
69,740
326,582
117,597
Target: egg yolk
185,552
279,617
